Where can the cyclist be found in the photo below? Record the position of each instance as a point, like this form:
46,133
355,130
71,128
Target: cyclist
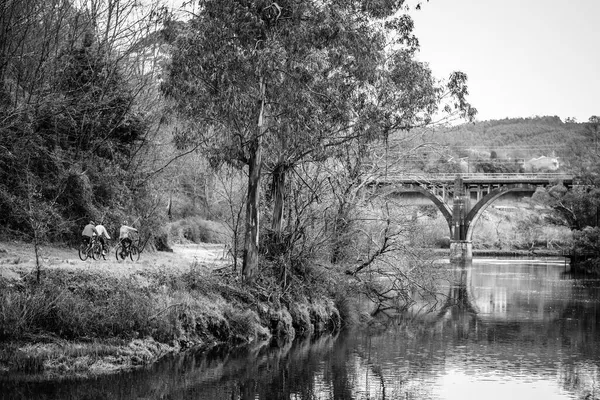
102,236
124,235
89,231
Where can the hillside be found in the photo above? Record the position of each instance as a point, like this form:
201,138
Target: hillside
519,138
540,144
527,132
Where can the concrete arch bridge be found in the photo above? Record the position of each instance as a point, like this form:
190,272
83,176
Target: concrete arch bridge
462,198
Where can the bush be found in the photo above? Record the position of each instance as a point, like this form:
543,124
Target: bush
587,240
73,307
198,230
301,319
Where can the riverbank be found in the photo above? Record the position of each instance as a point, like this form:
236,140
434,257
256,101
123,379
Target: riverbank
517,253
97,317
507,253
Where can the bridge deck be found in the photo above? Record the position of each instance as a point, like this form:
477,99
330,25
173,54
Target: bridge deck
479,178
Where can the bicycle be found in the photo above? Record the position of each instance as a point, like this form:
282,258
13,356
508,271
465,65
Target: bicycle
99,250
122,251
91,249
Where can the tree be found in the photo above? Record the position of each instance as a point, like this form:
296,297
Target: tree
273,84
587,240
576,207
593,127
69,120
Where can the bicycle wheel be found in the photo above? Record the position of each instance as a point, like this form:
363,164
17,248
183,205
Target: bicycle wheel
96,251
120,252
105,251
83,252
134,253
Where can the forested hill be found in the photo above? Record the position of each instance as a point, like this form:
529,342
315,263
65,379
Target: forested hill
523,138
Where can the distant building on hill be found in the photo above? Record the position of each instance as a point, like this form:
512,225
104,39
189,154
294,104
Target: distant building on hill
541,164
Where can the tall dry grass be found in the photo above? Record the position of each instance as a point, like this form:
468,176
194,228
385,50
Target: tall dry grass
68,308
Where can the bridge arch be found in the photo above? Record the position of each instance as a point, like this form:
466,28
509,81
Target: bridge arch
437,200
483,204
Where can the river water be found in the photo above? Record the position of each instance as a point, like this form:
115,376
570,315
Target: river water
503,329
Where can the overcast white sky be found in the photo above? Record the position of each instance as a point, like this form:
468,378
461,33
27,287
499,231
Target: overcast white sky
523,57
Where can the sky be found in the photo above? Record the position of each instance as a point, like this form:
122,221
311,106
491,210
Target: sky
522,57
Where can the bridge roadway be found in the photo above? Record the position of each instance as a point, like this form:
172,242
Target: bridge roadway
479,178
462,198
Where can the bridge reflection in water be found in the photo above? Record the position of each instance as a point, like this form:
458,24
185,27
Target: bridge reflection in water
462,198
486,297
524,329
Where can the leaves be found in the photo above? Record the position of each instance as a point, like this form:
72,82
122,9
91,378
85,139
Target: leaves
300,82
330,75
70,121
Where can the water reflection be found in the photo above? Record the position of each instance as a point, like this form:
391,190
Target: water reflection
524,329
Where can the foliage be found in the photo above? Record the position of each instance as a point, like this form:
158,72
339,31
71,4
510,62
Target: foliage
493,166
309,78
173,308
197,230
586,245
70,128
576,208
587,240
505,145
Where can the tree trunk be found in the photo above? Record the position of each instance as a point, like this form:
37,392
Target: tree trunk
38,266
250,264
278,200
170,205
340,232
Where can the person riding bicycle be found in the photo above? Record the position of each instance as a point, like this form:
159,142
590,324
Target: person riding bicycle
124,235
102,236
89,231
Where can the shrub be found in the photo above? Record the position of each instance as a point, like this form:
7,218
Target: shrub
587,240
198,230
348,309
301,319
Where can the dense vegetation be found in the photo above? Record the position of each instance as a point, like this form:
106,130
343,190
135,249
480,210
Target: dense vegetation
115,110
255,123
76,122
510,145
124,111
111,319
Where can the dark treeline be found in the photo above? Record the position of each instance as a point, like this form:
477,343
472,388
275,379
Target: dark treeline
76,116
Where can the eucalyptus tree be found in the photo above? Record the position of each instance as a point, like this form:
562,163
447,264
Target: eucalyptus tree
273,84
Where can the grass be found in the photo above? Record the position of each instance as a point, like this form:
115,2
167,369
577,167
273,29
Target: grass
77,321
61,357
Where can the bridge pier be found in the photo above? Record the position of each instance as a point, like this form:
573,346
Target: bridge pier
461,251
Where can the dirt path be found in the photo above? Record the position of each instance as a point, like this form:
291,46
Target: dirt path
17,259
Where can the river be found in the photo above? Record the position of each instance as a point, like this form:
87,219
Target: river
503,329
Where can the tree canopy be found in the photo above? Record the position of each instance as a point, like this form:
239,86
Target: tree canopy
70,116
274,84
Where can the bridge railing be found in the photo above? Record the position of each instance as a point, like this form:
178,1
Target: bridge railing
545,176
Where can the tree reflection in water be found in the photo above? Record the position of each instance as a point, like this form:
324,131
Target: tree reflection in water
519,326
